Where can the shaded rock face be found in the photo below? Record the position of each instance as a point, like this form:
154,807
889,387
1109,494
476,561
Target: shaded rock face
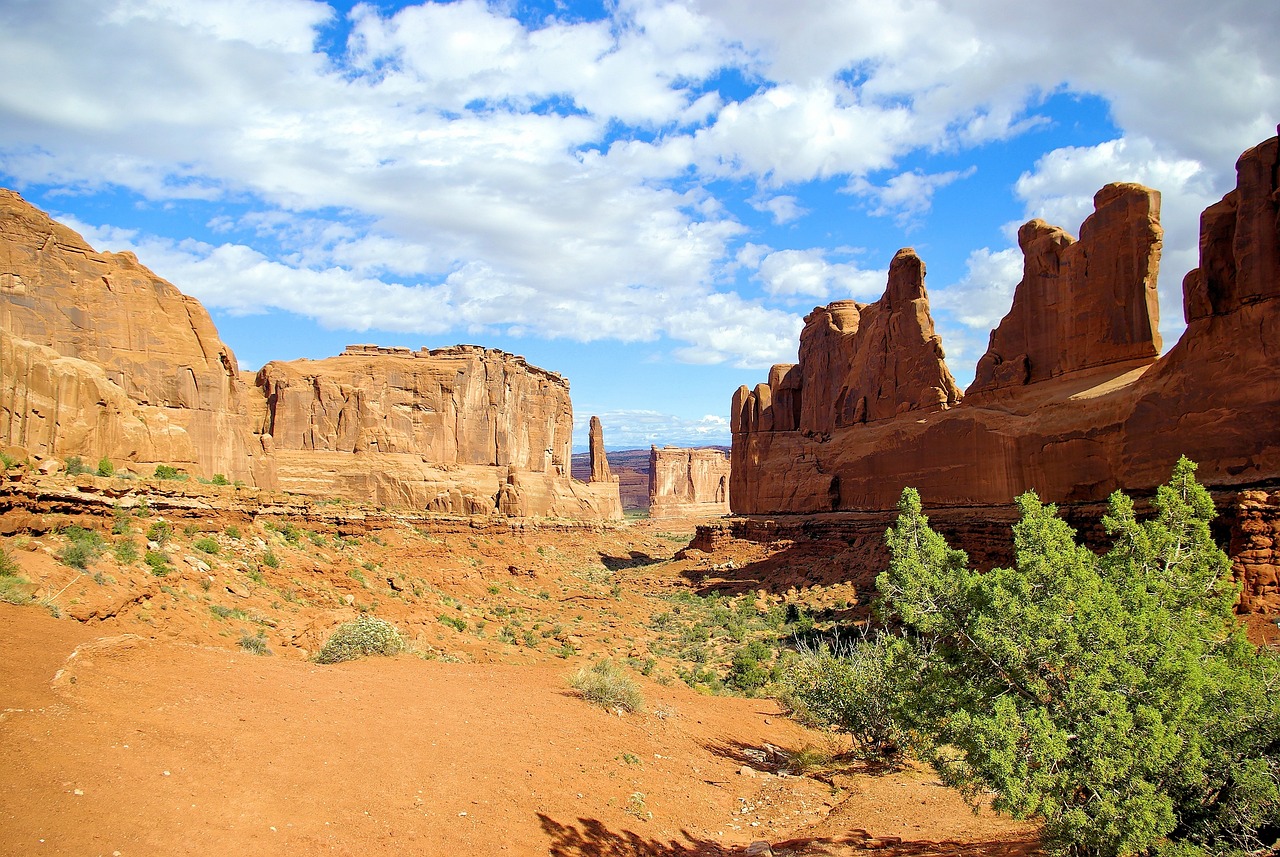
1087,411
100,357
686,482
1079,304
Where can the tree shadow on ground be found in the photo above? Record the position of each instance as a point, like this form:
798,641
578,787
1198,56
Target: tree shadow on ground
774,759
860,841
799,565
591,838
635,559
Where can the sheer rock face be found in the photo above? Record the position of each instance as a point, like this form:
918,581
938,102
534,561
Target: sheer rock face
157,347
1082,420
859,364
460,405
687,482
595,446
1082,304
100,357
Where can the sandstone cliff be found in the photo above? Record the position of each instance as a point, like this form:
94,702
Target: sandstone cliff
687,482
154,346
100,357
1068,400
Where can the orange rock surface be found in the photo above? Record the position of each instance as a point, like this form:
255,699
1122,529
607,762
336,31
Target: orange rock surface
687,482
1088,411
102,358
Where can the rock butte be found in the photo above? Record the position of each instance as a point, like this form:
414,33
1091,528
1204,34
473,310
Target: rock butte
687,482
102,358
1071,399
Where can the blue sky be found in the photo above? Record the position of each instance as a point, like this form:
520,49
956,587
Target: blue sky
644,196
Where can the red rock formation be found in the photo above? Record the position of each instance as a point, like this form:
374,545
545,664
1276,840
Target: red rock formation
1077,292
154,345
686,482
100,357
1081,421
599,461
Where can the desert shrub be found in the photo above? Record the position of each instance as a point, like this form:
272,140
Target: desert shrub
219,479
206,545
83,547
270,560
254,643
8,565
746,672
159,532
126,551
457,623
105,467
158,562
165,471
1115,697
7,461
75,466
605,685
228,612
367,635
233,532
851,689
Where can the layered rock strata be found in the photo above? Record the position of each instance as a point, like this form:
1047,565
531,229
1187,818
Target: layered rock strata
102,358
687,482
1069,400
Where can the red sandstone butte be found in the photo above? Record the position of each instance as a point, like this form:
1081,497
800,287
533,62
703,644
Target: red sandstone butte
1069,401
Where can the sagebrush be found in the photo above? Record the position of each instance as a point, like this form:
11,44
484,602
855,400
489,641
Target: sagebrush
366,635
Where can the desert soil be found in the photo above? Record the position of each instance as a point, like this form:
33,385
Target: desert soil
144,727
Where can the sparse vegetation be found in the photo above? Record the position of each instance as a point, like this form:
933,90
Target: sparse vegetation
75,466
83,547
254,643
159,532
105,467
12,583
219,479
126,552
606,685
165,471
158,562
206,545
270,560
367,635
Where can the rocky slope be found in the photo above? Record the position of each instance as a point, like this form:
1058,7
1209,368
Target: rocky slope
102,358
1069,400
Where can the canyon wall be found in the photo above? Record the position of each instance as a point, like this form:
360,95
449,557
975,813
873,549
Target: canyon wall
687,482
1070,399
101,358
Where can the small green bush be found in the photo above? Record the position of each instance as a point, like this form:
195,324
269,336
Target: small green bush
367,635
158,561
75,466
105,467
233,532
205,545
228,612
457,623
605,685
159,532
7,461
84,546
747,673
164,471
219,479
270,560
126,552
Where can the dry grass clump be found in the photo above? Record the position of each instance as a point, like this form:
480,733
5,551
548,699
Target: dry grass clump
604,684
367,635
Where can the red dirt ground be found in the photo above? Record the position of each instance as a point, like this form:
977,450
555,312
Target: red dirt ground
143,729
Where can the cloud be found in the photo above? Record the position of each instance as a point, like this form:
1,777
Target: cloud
783,208
637,429
906,197
808,273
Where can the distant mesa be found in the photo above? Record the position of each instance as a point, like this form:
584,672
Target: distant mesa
1071,398
688,482
102,358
